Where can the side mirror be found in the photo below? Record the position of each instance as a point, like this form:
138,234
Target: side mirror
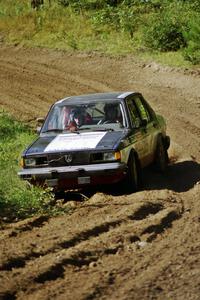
40,120
38,129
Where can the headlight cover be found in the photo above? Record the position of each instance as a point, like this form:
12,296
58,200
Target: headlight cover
29,162
111,156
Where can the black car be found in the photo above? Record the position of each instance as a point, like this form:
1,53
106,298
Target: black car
96,139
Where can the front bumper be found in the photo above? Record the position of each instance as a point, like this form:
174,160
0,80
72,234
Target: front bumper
75,176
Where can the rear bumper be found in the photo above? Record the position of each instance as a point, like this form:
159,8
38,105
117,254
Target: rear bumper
75,176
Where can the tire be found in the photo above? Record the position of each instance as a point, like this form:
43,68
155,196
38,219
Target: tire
161,156
133,177
59,195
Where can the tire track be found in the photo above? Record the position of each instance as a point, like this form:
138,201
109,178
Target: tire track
140,211
53,264
33,86
23,226
54,74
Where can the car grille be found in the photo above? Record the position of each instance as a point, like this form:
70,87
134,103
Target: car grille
67,159
41,161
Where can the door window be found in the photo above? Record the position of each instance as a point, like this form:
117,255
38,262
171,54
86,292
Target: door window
143,111
134,114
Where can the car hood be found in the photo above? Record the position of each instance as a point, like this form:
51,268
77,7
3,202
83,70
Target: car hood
99,140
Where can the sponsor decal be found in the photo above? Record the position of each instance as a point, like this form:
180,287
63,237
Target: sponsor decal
75,141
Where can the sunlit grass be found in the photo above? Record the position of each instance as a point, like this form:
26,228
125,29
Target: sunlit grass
63,28
173,59
18,199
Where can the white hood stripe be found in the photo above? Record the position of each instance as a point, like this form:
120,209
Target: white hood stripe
75,141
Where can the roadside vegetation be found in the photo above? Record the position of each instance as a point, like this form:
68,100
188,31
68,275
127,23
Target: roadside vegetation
17,198
165,29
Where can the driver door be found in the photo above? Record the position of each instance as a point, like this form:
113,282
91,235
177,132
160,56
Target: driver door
140,137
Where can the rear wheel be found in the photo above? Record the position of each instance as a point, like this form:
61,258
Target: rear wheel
161,157
133,177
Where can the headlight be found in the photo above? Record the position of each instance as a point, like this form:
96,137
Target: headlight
106,156
110,156
29,162
21,163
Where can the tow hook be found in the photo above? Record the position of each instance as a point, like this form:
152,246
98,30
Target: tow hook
54,174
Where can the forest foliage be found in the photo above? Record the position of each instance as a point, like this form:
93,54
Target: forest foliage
114,26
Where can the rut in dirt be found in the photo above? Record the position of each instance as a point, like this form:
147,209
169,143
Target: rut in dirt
134,224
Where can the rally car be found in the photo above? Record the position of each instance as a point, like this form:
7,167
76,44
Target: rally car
96,139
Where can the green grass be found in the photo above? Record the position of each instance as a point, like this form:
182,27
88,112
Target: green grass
18,199
173,59
109,30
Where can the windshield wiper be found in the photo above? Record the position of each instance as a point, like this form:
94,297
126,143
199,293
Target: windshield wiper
96,129
104,129
61,130
53,130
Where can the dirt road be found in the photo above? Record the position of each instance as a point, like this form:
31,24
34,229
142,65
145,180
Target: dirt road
140,246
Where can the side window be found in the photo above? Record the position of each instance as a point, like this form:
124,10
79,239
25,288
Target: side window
134,115
54,122
143,111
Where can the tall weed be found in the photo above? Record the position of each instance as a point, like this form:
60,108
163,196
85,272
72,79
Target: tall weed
17,198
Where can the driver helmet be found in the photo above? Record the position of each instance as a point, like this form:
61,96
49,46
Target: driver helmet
111,111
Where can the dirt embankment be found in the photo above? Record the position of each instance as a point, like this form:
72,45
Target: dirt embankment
140,246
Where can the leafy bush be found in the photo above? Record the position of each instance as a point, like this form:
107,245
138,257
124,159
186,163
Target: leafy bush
164,32
121,19
67,2
83,4
105,16
90,4
192,36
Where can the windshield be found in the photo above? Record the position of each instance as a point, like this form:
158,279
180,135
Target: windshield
91,116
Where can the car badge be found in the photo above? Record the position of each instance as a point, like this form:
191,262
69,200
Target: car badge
68,158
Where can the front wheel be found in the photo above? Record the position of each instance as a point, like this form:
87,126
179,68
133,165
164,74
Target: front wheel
133,177
161,157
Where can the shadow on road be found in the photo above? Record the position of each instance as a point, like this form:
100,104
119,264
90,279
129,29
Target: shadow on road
179,177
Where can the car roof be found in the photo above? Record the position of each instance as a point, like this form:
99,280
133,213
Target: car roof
95,97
